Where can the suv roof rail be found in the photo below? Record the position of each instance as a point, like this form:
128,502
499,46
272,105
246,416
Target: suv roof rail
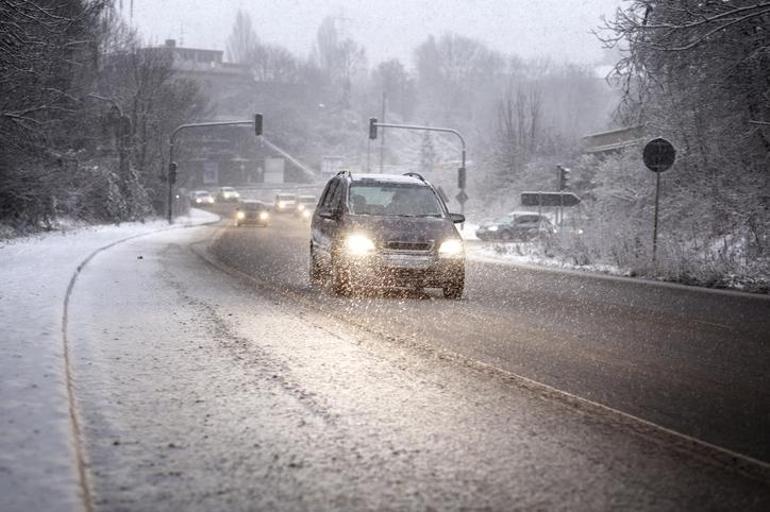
415,175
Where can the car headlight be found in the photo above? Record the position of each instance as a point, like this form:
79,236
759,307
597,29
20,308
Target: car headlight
197,201
300,207
281,205
240,215
305,214
263,215
492,228
358,244
451,248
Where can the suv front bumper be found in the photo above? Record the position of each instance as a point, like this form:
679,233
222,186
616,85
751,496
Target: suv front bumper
398,270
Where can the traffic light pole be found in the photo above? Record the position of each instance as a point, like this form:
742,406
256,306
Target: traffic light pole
170,176
374,123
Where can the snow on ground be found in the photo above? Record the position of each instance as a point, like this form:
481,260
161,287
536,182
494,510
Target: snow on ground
521,253
37,458
524,253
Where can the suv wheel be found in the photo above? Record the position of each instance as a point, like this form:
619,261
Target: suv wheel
315,268
340,280
454,289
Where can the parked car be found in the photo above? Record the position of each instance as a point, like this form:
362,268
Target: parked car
252,212
516,226
227,195
386,230
201,197
305,206
285,202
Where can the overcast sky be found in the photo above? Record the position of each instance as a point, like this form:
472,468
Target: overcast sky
387,28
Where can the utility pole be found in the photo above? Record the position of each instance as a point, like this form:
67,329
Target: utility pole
368,155
382,138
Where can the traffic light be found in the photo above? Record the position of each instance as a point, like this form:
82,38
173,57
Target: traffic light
372,128
563,177
461,178
258,124
172,172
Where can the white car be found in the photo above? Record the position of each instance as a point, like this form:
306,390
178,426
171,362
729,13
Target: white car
305,206
202,197
227,195
285,203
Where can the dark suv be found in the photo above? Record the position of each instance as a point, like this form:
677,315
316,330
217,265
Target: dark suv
385,230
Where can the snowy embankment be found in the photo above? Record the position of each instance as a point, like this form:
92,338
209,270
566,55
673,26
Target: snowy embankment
38,469
702,269
522,253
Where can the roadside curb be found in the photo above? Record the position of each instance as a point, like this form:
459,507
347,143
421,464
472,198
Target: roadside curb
86,494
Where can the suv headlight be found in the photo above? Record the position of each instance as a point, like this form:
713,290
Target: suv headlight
358,244
281,205
451,248
263,215
492,228
240,215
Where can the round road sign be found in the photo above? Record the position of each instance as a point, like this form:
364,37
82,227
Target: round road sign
659,155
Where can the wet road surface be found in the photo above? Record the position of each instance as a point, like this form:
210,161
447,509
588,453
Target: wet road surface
200,390
692,361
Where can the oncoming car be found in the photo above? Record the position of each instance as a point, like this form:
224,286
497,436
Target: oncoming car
516,226
202,197
386,230
285,203
305,206
227,195
252,212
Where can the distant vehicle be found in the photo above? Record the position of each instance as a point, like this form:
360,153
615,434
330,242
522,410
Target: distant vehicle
201,197
285,202
386,230
516,227
305,206
227,195
252,212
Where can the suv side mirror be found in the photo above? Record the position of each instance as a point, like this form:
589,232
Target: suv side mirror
327,213
457,218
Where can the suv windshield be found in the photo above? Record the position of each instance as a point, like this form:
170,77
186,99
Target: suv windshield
394,200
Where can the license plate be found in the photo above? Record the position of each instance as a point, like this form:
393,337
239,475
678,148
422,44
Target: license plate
406,261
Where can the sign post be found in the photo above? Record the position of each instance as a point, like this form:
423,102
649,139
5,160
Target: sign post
658,155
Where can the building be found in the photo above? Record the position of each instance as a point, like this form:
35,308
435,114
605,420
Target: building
603,143
227,156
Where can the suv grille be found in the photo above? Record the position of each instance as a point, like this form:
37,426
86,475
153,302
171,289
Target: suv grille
396,245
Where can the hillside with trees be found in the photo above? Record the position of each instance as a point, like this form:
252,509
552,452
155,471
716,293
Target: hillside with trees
85,111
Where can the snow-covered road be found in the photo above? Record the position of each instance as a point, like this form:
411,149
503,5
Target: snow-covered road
38,468
197,389
202,391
